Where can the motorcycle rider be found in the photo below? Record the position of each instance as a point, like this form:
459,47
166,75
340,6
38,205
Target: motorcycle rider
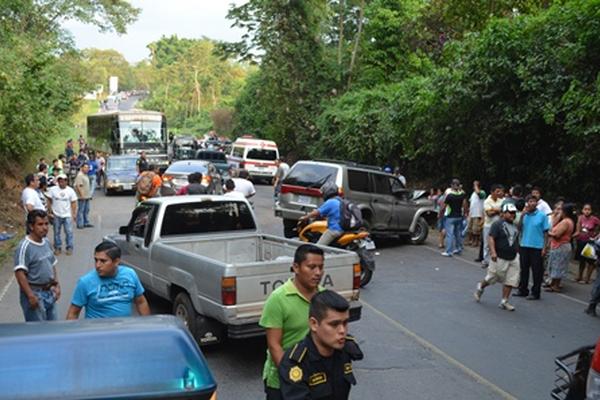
330,209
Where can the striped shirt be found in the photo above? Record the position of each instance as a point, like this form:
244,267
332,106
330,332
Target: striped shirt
36,259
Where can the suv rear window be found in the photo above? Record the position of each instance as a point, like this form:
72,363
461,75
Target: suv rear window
261,154
206,216
311,175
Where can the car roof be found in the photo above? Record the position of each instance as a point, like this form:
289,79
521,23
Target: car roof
350,164
120,156
168,200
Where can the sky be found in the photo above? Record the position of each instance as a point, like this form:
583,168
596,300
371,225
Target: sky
191,19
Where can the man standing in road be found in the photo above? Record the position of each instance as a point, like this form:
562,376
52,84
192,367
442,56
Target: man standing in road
475,215
282,169
285,314
142,163
504,261
455,209
491,208
321,364
63,205
110,290
82,188
35,271
534,238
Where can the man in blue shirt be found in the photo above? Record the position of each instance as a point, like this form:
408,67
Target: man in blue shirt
110,290
330,209
534,237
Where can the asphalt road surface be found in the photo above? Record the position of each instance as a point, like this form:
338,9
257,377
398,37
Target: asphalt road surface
423,335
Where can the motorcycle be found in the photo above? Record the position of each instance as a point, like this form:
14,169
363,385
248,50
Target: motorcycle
359,242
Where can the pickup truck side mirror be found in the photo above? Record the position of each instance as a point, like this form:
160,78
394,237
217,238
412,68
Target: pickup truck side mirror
124,230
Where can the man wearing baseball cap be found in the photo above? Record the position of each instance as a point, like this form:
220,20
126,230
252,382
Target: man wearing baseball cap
504,267
63,205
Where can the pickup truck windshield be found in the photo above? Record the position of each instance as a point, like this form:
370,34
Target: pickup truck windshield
206,216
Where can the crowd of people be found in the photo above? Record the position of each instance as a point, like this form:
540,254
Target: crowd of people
518,233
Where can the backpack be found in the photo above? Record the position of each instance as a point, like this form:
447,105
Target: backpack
144,184
350,215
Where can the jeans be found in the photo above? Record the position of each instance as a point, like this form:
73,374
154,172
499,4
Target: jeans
92,179
83,211
454,227
486,247
531,258
67,223
46,310
272,394
329,236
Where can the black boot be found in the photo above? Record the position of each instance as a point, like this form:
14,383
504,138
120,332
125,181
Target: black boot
591,310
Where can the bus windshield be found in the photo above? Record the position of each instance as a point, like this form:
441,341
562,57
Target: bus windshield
141,132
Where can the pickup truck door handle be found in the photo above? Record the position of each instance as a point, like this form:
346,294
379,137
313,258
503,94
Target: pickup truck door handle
375,201
137,246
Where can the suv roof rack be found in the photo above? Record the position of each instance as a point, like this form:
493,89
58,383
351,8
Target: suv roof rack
350,164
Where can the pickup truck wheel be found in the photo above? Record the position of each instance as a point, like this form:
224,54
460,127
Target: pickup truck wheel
419,235
290,228
184,310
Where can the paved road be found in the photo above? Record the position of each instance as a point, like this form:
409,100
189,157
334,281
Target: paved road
423,335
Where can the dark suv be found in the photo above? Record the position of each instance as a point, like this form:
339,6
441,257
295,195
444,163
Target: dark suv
387,206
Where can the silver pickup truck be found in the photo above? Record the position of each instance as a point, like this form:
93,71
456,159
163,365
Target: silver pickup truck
206,255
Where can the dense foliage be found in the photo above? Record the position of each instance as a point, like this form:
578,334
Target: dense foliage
41,75
191,84
503,91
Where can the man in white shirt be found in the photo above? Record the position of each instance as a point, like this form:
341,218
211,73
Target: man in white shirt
231,192
30,197
475,215
243,185
63,205
542,205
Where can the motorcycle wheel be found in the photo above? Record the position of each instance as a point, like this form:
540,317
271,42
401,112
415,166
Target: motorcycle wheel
367,265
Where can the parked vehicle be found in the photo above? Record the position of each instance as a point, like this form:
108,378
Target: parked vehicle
184,147
358,242
176,176
388,209
577,374
255,155
206,255
121,174
153,357
217,158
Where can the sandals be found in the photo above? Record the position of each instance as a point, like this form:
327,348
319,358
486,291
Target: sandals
551,289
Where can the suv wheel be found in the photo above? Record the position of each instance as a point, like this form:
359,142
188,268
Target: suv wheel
290,228
419,235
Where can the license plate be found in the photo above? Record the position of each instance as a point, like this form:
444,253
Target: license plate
369,244
305,199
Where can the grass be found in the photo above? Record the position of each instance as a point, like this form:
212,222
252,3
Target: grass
57,144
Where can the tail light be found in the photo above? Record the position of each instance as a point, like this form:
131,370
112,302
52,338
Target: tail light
356,278
167,178
341,192
206,180
300,190
228,291
596,359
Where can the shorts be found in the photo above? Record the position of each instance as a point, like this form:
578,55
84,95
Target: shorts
507,272
475,225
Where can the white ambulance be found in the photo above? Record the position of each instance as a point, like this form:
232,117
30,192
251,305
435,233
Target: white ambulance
257,156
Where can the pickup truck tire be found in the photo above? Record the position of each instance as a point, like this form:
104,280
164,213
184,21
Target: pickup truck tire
184,310
290,228
419,235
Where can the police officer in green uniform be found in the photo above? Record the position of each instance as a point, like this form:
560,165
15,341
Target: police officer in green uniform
320,366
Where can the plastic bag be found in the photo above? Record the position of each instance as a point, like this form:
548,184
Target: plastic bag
589,251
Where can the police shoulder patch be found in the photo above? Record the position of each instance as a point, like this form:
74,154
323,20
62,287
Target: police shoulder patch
347,368
296,374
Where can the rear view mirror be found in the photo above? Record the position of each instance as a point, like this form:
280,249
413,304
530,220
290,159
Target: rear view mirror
123,230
